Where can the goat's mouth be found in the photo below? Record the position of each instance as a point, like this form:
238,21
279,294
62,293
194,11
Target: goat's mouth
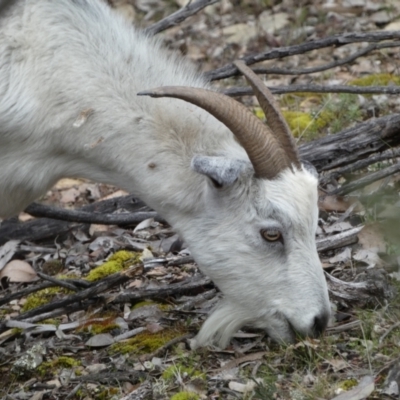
279,329
282,330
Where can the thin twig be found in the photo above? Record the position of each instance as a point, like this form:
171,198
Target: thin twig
281,52
179,16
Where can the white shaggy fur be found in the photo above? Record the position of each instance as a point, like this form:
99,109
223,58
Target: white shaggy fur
69,74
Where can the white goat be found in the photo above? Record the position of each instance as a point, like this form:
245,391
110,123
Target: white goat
70,71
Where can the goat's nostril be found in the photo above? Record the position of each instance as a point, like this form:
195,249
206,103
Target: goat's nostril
320,323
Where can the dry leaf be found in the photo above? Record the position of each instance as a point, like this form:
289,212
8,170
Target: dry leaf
361,391
18,271
101,340
69,195
242,387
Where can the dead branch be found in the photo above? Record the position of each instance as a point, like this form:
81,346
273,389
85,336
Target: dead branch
58,282
339,240
366,180
39,210
32,289
353,144
360,164
373,289
47,228
281,52
333,64
179,16
247,91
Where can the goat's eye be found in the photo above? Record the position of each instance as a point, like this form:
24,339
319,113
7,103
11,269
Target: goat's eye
271,235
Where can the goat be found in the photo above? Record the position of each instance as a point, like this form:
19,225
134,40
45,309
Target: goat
234,188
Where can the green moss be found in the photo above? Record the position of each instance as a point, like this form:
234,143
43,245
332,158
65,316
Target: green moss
42,297
107,393
97,327
185,396
306,124
142,304
348,384
116,263
376,80
145,342
162,307
50,367
294,99
66,362
171,372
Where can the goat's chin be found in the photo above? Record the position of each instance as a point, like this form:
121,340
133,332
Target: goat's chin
220,326
226,319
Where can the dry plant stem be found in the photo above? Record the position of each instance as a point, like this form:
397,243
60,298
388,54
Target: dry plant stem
247,91
366,180
38,210
281,52
344,327
333,64
385,155
179,16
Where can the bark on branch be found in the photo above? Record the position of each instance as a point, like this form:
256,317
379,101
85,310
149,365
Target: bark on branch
281,52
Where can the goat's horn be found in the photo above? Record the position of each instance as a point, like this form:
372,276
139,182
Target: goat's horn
264,151
275,119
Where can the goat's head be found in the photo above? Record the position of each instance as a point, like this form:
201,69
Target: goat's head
256,236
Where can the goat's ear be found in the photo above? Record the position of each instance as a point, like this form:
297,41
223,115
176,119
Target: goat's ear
310,168
222,171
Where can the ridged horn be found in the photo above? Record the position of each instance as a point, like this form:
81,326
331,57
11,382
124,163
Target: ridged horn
275,119
265,153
